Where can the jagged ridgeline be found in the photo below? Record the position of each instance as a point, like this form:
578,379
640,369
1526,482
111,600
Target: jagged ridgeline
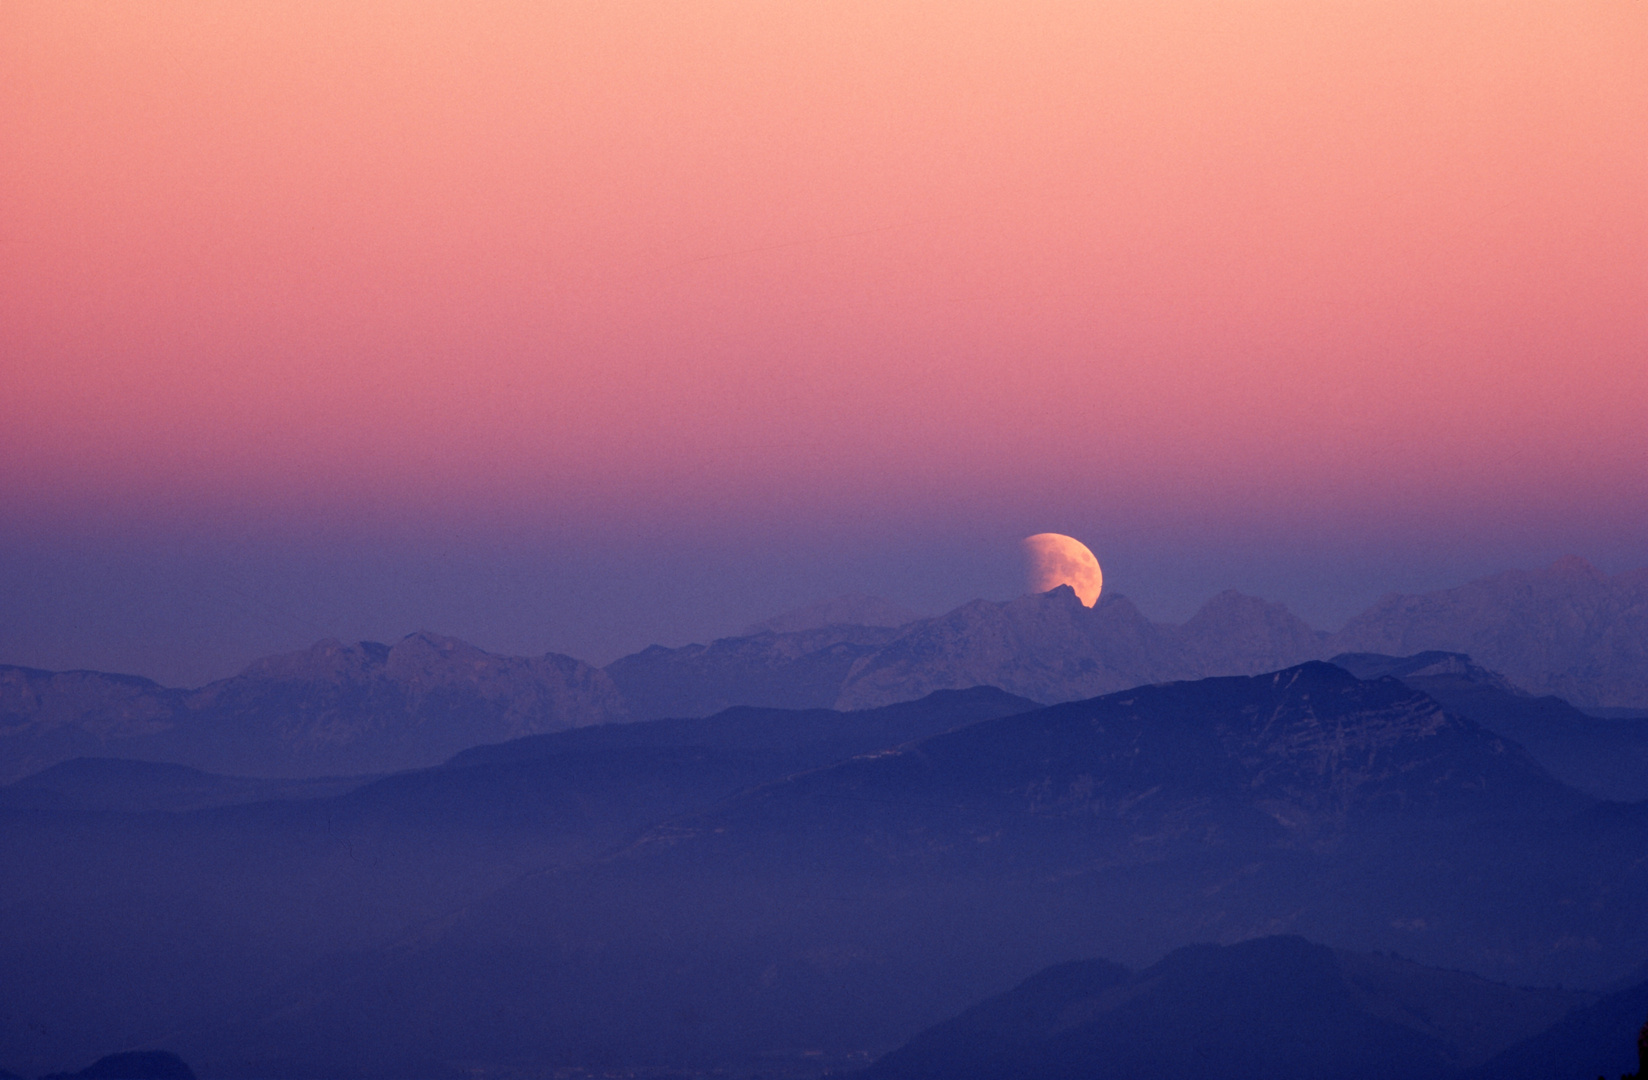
341,709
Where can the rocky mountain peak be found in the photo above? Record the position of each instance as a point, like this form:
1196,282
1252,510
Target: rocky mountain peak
1566,629
853,609
327,660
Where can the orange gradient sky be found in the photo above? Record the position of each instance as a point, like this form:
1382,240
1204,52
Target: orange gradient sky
703,265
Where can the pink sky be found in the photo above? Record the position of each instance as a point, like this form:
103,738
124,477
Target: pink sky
709,263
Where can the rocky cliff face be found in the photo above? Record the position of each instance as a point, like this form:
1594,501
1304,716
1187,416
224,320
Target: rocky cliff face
801,669
1606,758
1047,647
1299,756
1051,648
51,716
1568,630
853,609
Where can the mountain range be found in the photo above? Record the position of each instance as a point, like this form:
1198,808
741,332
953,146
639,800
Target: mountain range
1602,756
830,913
770,891
333,709
340,709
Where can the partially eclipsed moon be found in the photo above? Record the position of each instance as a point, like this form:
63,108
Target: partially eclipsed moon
1053,559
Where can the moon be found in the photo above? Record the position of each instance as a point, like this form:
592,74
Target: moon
1053,559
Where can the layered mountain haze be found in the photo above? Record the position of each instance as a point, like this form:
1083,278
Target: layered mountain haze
1052,648
799,669
368,708
190,899
839,910
1607,758
1568,629
773,890
332,709
758,359
1593,643
1596,1040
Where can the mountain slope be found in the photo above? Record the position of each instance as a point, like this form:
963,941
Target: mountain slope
52,716
333,709
853,609
795,739
795,670
1568,630
1263,1009
116,784
837,911
1604,758
1598,1040
123,922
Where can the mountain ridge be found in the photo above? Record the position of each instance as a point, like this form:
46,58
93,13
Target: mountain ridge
331,709
845,907
334,708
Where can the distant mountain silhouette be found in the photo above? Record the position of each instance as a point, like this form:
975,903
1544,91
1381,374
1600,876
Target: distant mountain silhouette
52,716
364,708
1605,758
116,784
133,1065
840,910
795,670
1268,1009
1052,648
1598,1040
1568,630
798,739
332,709
853,609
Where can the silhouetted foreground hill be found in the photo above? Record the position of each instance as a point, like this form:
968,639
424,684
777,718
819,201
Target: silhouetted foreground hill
132,1065
1599,1040
837,911
1605,758
1275,1008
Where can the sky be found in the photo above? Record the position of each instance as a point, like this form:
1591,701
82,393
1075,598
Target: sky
579,327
